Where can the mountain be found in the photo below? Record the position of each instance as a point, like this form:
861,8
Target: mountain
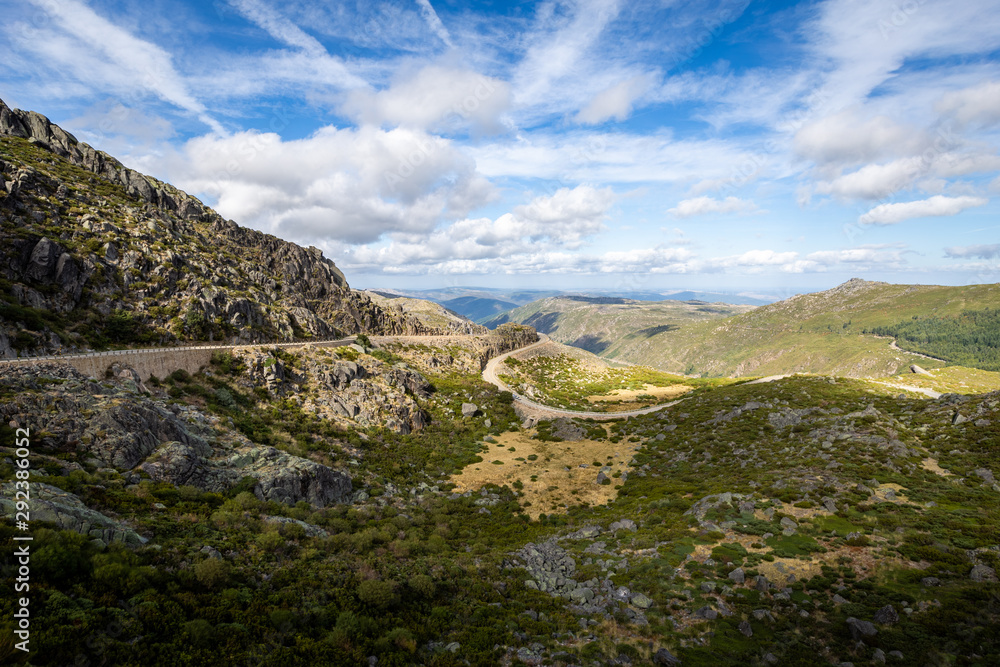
95,254
823,332
596,324
478,308
432,315
380,503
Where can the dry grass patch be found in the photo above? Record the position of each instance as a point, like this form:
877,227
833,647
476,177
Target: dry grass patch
551,479
932,465
632,395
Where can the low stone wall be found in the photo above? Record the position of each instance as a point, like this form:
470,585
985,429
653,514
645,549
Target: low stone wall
160,362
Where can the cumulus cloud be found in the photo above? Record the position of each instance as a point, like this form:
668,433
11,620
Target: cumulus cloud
614,102
991,251
938,205
545,227
979,104
350,185
431,98
704,205
875,180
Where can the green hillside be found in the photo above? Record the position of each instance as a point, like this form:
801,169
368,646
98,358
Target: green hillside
825,332
596,324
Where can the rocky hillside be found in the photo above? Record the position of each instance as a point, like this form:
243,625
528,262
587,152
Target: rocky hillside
93,254
430,314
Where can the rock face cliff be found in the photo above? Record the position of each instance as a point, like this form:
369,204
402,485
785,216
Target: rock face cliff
113,424
93,253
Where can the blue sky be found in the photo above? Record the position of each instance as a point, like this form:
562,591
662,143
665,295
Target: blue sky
628,145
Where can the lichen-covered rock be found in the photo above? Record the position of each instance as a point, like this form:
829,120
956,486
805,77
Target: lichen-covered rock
67,511
119,428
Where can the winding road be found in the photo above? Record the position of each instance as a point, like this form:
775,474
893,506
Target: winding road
534,410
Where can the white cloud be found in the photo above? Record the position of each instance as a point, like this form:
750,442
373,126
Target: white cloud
433,97
938,205
704,205
283,30
434,21
99,53
614,102
990,251
848,137
978,104
557,47
875,180
339,184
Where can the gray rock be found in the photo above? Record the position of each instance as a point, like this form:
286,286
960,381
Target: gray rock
898,655
707,613
666,658
624,524
770,659
984,474
66,510
453,647
983,573
861,629
585,533
879,656
641,601
761,614
737,575
762,585
958,418
601,478
746,629
788,523
469,409
930,581
311,530
838,599
887,615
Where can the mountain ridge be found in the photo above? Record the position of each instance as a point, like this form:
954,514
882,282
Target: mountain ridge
120,244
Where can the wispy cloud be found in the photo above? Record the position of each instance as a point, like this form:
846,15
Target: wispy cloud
101,53
990,251
434,22
937,206
704,205
283,30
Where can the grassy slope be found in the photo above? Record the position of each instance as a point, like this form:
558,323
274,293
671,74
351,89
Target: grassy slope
817,333
814,332
597,326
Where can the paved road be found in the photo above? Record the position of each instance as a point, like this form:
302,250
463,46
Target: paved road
893,346
920,390
333,342
541,411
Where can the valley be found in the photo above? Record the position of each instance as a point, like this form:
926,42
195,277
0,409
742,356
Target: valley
237,458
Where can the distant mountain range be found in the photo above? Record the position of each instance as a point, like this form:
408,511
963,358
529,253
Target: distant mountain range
822,332
485,304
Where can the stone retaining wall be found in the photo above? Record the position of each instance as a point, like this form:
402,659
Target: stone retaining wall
160,362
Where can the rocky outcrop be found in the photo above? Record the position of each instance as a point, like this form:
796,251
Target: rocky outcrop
361,392
85,235
112,425
67,511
